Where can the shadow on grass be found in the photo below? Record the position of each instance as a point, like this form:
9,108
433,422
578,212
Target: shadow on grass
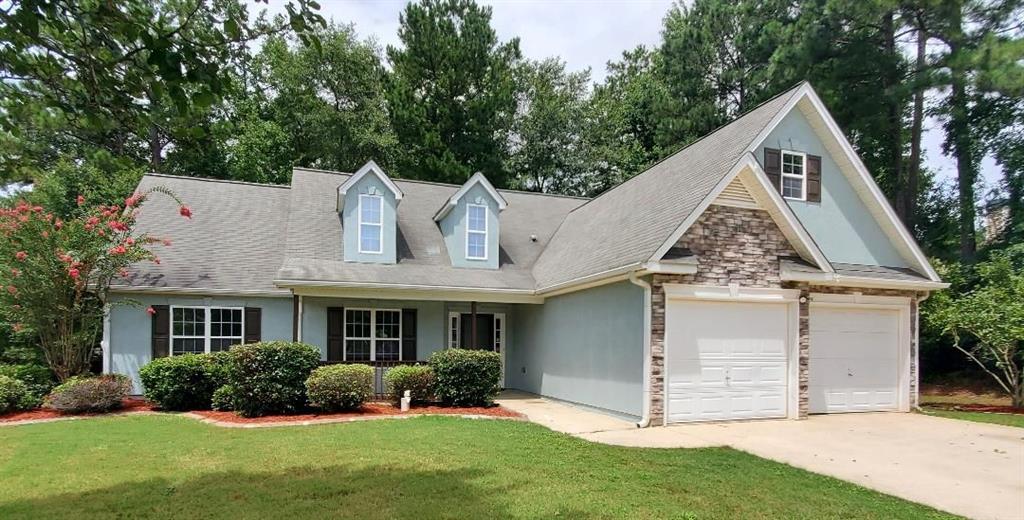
336,492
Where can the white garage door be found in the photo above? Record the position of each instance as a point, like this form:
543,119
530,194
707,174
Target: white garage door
854,359
725,360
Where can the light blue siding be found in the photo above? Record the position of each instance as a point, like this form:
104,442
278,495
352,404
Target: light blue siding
369,184
453,228
131,327
840,224
585,347
430,321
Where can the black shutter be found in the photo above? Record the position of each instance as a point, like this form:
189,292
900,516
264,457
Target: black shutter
335,333
253,324
409,335
813,178
773,167
161,336
295,318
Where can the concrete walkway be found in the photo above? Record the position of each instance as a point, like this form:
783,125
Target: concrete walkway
967,468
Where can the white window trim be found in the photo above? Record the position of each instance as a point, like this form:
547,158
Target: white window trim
206,326
454,329
782,172
379,225
373,332
470,232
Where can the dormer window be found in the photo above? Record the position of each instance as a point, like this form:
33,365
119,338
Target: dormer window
476,232
371,225
794,175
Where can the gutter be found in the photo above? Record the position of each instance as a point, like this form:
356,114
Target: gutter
861,281
645,418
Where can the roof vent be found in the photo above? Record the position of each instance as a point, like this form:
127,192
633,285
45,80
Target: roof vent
533,238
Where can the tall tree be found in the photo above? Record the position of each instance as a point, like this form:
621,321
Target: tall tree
452,93
549,150
117,75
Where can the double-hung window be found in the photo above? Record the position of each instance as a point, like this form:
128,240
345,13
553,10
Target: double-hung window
199,330
476,232
794,175
373,334
371,226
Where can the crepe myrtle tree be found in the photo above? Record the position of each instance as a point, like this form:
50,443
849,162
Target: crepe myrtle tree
54,273
986,322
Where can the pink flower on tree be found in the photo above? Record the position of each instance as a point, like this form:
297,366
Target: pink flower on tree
118,250
133,200
81,200
59,224
21,256
150,310
15,272
185,211
167,242
74,273
12,289
129,241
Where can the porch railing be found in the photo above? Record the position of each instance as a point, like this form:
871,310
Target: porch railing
379,369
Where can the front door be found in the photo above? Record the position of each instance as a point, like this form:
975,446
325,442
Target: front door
484,331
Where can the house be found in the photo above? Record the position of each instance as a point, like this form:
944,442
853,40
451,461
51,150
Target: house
757,273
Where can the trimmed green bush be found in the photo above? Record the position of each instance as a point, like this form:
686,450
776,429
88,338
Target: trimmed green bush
466,377
184,382
12,394
340,387
38,380
270,377
223,399
81,394
417,379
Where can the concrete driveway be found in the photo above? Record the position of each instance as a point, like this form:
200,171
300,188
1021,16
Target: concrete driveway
972,469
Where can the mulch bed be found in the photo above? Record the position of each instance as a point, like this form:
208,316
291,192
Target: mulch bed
366,411
976,408
131,404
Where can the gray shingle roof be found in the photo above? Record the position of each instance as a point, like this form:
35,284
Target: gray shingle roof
797,265
231,243
627,224
315,252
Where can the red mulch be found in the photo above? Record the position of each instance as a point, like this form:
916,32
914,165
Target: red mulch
131,404
367,410
978,408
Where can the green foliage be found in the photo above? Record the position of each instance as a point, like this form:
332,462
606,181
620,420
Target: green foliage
269,377
451,92
86,394
101,180
38,381
466,377
13,394
986,322
223,399
340,387
417,379
184,382
55,273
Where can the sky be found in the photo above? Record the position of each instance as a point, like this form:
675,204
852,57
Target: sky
585,34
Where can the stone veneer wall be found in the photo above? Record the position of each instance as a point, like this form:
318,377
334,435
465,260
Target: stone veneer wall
743,246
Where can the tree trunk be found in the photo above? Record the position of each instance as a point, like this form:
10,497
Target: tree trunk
155,148
909,204
962,140
894,112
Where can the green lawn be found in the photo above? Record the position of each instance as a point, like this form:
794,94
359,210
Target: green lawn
431,467
993,418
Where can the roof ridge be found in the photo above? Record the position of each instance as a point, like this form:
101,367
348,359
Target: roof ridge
693,143
450,185
211,179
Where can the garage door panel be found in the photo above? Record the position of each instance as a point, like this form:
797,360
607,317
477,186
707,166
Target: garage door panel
854,359
725,360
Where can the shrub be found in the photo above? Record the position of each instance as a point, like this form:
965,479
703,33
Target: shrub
270,377
417,379
340,387
184,382
38,381
81,394
223,399
466,377
12,394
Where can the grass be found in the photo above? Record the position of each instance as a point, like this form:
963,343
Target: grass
162,466
982,417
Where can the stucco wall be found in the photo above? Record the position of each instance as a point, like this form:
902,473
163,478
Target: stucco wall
840,224
453,228
369,184
584,347
131,328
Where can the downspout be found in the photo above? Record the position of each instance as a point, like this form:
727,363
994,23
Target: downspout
645,418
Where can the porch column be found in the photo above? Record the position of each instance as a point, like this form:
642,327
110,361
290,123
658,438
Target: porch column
472,325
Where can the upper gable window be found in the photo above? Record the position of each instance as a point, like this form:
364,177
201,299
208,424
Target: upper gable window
476,232
794,175
371,226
